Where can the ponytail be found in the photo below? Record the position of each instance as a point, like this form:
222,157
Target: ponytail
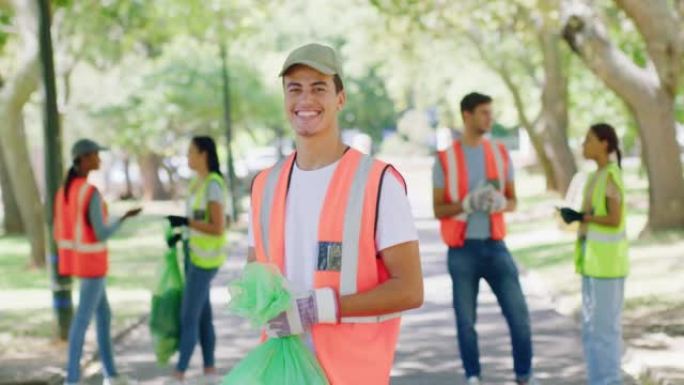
71,175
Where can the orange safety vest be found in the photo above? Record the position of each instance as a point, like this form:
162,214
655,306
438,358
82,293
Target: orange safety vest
453,229
358,350
79,251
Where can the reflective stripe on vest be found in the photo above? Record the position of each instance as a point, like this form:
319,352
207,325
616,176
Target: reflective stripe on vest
207,251
453,229
594,235
78,245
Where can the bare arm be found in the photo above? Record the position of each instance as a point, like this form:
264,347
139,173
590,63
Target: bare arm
441,208
612,219
216,224
511,198
402,291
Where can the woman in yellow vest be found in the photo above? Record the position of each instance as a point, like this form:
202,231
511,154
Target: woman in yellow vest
601,256
204,241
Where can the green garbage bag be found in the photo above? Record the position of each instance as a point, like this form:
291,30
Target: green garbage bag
260,295
166,304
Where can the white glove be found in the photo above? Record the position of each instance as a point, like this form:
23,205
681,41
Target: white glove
495,201
307,309
476,200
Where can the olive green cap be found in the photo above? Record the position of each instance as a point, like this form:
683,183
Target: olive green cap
320,57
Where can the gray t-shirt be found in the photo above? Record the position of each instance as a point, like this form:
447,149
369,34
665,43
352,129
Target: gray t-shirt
214,194
103,231
478,222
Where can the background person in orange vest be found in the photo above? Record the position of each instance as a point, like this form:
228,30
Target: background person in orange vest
81,231
472,188
338,224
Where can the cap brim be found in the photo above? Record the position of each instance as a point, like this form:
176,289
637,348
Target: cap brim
317,66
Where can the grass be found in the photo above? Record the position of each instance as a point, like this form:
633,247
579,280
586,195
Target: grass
546,255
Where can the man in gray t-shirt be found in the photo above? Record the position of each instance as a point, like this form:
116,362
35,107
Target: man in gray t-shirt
480,253
478,221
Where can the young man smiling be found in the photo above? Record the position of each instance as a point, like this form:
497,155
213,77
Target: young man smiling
338,225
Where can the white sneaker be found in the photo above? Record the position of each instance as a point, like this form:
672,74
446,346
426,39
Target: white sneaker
473,381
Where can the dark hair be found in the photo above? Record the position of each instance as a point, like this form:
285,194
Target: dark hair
472,100
606,133
207,145
338,83
71,175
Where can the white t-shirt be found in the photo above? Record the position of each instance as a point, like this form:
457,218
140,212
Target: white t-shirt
303,207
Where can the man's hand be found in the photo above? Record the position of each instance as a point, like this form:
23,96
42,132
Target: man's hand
476,200
496,201
316,306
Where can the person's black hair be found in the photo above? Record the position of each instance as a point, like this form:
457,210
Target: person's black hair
70,176
207,145
474,99
606,133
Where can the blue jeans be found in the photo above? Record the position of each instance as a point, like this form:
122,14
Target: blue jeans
602,300
196,318
490,260
93,299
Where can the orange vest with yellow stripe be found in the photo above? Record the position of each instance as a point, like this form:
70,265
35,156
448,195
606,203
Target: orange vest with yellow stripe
358,350
453,229
79,251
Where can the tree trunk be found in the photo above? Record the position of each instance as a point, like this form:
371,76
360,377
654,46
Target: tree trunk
649,92
534,129
153,189
12,216
656,119
537,140
554,114
128,194
13,96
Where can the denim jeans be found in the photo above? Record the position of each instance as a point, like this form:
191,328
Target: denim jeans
490,260
602,300
92,300
196,316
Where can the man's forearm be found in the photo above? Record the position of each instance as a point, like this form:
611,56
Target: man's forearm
445,210
392,296
511,205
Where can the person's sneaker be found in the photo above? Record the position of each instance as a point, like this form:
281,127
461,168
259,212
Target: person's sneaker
531,381
473,381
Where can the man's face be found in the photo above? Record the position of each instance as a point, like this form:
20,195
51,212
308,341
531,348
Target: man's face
480,120
311,102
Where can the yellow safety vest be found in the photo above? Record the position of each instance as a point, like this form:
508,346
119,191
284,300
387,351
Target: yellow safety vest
603,254
206,250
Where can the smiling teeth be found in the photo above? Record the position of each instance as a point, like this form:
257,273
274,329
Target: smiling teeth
307,114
